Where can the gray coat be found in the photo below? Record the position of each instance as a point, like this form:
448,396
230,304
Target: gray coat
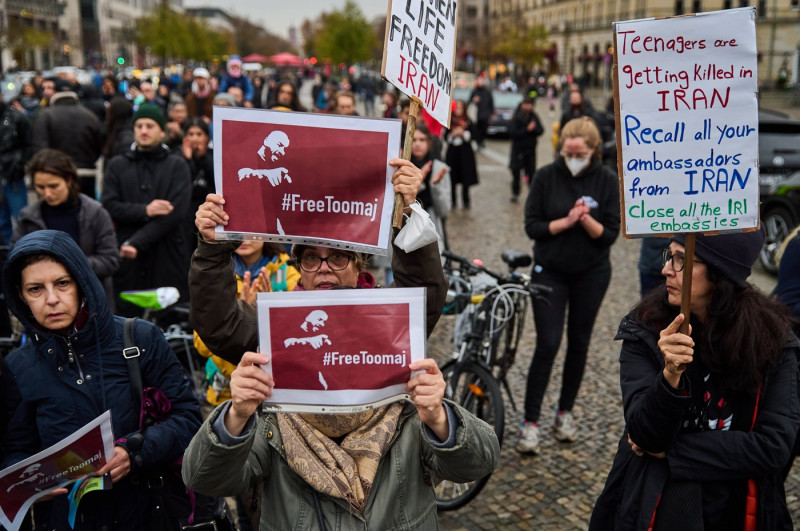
400,498
98,239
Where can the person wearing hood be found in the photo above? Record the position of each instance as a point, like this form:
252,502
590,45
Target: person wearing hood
711,414
147,191
572,214
322,471
72,369
236,78
68,126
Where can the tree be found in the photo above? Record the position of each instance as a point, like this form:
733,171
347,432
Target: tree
172,35
344,36
523,46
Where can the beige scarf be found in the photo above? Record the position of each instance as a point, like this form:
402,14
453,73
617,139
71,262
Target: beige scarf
344,470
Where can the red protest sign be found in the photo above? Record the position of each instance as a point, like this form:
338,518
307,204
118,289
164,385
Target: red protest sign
341,348
83,452
308,178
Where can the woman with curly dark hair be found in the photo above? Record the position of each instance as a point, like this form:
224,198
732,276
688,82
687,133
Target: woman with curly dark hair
711,416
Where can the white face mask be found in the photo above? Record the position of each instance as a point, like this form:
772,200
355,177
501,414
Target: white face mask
575,166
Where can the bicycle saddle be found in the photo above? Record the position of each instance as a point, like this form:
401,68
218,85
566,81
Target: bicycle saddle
516,259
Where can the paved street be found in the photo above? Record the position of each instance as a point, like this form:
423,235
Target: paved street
557,489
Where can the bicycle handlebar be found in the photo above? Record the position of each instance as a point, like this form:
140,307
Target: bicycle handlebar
471,269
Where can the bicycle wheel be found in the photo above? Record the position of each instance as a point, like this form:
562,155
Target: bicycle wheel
473,388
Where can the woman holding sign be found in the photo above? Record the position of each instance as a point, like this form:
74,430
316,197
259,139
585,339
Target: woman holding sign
711,416
368,470
572,213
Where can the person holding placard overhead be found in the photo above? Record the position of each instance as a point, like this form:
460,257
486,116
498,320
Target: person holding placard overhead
711,415
366,470
572,213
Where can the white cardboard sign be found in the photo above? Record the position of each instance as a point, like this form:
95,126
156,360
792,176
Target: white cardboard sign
688,123
419,52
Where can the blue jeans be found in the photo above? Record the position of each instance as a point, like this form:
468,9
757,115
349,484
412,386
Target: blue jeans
15,197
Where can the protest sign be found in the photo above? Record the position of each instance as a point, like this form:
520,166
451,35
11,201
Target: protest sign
315,179
419,52
85,451
340,350
687,123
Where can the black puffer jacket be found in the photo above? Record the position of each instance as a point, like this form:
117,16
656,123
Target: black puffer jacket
653,415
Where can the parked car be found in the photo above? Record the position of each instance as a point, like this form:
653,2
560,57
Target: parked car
779,177
505,103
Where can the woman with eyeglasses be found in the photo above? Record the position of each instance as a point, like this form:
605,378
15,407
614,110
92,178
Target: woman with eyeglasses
572,214
711,415
365,470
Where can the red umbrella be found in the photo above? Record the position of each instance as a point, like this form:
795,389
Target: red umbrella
285,59
255,58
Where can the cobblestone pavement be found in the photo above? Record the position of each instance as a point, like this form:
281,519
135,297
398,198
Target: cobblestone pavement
557,489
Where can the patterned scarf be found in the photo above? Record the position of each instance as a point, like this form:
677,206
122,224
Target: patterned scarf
345,470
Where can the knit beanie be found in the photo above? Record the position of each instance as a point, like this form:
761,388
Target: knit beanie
234,60
732,254
226,98
152,111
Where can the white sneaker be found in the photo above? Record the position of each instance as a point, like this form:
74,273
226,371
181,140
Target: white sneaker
528,442
565,428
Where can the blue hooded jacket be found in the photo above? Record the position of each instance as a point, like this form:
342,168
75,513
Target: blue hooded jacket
65,381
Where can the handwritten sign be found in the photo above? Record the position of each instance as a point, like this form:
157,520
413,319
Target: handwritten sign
419,52
687,123
340,350
315,179
85,451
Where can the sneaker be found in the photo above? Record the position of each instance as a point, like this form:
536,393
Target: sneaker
565,427
528,442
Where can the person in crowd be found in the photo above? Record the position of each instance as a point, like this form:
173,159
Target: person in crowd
286,97
428,433
389,99
423,153
195,150
710,414
16,147
119,126
48,90
68,126
200,101
237,95
525,130
109,88
147,191
507,85
260,93
225,99
29,99
576,107
460,156
150,96
176,115
184,86
72,369
235,78
572,214
345,104
482,98
326,100
62,206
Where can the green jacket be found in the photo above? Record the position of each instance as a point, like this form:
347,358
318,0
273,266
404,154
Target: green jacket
401,498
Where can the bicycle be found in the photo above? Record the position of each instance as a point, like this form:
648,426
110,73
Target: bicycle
490,309
160,306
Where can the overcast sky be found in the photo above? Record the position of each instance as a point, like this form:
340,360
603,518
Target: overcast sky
278,15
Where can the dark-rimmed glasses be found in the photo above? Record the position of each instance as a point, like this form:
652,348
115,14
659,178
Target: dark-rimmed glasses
678,260
336,262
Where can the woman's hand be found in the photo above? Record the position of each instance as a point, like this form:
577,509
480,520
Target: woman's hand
209,215
250,386
427,393
119,466
407,179
677,349
251,288
640,452
186,148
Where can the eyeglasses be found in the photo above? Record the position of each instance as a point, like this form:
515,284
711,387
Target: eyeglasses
336,262
678,260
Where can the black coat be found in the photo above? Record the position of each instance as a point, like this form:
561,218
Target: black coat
15,143
131,182
653,416
461,158
72,128
522,140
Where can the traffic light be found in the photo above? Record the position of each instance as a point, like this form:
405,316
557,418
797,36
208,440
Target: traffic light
121,60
